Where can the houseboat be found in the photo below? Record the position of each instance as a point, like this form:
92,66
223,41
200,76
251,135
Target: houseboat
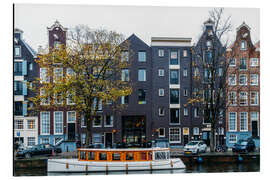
104,160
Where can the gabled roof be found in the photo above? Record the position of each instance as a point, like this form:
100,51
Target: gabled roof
17,30
133,37
32,51
209,21
243,25
57,24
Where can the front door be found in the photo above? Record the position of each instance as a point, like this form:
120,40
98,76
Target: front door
206,137
254,127
71,131
185,139
108,140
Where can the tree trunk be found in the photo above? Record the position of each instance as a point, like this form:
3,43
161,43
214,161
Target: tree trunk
88,131
212,139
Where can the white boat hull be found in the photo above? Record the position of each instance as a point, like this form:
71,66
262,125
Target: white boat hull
73,165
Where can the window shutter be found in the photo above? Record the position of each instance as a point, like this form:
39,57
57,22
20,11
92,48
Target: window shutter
24,68
24,88
25,108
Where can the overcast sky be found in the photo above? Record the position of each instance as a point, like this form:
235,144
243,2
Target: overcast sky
144,21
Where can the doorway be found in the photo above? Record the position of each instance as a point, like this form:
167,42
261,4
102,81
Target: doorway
254,128
206,137
108,140
71,131
185,139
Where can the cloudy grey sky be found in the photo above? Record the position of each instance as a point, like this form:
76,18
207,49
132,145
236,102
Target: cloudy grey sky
144,21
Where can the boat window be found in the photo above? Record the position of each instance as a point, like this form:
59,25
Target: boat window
149,155
83,155
160,155
116,156
142,156
103,156
91,155
129,156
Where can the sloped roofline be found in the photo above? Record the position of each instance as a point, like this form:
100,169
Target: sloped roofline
243,25
57,24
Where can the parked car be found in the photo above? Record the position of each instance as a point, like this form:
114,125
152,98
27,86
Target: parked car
41,149
244,146
221,148
194,147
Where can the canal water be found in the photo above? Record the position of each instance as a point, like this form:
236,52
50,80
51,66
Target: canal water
190,168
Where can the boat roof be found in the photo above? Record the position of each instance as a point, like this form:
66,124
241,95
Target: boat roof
135,149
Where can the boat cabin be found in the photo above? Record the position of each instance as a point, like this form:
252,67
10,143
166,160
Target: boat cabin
148,154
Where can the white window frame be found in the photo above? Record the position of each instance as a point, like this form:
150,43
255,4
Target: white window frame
196,133
125,76
143,71
231,76
245,123
16,124
257,79
83,121
43,139
60,122
20,51
30,66
173,141
246,60
161,92
185,92
43,74
159,111
111,119
68,114
69,100
229,122
28,124
41,124
159,135
232,60
196,113
241,45
185,111
160,72
185,53
245,77
57,74
43,100
230,138
31,140
235,98
124,56
160,52
185,72
93,124
246,98
252,64
257,97
142,52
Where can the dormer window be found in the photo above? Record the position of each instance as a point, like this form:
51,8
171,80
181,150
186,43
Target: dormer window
208,43
210,32
57,44
243,45
17,51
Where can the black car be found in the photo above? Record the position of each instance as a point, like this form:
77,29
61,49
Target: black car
41,149
244,146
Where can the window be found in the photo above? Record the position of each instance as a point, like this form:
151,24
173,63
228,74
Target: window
161,72
243,121
254,62
141,75
70,72
83,138
161,132
232,62
208,43
196,131
99,106
161,52
45,99
70,99
31,141
18,88
142,56
19,124
124,99
185,72
43,75
161,111
254,98
196,91
18,108
243,45
30,124
71,116
124,56
220,72
208,57
97,121
45,140
58,98
45,122
195,112
174,116
17,51
161,92
232,138
58,74
196,72
174,96
185,53
141,96
57,44
243,96
243,64
185,92
58,122
185,112
174,77
83,120
174,135
232,98
232,79
242,79
173,58
232,121
125,75
18,68
31,66
254,79
108,121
